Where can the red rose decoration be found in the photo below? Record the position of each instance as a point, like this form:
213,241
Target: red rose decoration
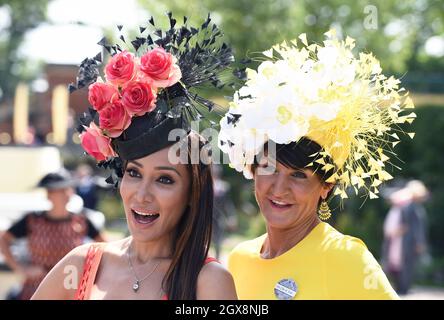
99,94
114,118
96,144
159,66
121,68
138,98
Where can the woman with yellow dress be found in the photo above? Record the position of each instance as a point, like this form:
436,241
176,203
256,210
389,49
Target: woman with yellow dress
311,123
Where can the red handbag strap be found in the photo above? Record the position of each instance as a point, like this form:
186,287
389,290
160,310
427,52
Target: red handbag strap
211,259
90,267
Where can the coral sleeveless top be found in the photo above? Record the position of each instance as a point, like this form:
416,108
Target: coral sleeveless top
90,267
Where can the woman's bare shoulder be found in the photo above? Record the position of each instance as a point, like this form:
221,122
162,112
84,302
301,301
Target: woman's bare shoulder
215,283
62,281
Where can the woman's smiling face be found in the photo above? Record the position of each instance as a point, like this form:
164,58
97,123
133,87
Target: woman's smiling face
155,194
289,196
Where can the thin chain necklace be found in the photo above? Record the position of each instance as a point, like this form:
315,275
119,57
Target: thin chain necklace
138,281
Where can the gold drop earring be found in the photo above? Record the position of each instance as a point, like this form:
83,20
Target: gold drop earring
324,211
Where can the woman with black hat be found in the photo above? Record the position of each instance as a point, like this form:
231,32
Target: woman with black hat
51,234
143,107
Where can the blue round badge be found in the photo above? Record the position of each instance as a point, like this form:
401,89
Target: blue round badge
285,289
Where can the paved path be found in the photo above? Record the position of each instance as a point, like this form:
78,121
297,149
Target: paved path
7,280
424,293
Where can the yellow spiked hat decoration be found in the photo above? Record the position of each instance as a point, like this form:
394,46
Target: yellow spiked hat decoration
327,94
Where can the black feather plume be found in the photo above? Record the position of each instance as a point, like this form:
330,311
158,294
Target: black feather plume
203,58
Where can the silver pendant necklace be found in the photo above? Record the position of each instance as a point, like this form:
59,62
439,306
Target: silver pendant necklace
138,282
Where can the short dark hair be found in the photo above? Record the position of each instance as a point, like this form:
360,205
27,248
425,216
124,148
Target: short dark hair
297,155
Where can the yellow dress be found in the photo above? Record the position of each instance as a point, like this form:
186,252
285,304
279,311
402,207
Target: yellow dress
324,265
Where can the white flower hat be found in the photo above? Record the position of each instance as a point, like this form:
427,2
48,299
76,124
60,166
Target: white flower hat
326,94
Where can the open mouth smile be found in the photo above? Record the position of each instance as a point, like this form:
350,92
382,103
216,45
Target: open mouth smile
279,204
144,217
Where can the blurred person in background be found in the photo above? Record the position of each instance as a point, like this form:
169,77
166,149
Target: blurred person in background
87,187
50,234
405,234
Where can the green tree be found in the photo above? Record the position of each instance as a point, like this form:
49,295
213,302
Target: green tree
22,16
249,26
394,30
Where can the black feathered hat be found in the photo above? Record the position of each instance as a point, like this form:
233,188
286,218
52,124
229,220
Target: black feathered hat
148,93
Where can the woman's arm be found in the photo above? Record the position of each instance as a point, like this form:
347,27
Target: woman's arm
215,283
62,281
18,230
6,239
